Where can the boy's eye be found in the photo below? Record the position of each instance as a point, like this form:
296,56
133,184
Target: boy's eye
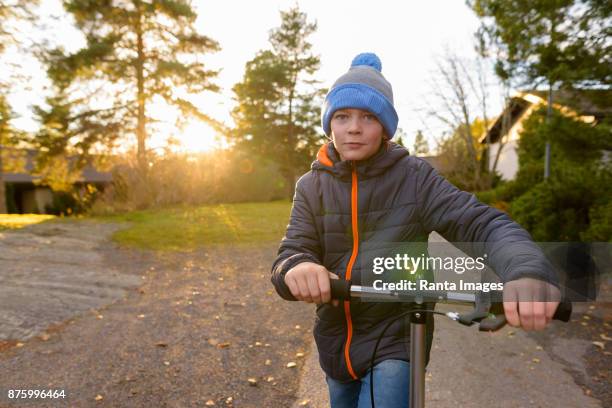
341,116
369,117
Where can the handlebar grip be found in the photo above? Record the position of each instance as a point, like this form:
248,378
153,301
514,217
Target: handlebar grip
497,320
340,289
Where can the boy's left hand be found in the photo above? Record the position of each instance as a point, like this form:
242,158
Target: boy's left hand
530,303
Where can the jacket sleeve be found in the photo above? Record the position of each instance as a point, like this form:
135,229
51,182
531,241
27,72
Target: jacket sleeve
479,229
300,243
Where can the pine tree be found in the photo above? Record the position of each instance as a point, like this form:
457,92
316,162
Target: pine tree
10,13
137,51
277,113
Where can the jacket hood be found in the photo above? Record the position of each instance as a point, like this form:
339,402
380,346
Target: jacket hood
328,160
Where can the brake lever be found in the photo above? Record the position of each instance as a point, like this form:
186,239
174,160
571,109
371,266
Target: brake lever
490,316
480,312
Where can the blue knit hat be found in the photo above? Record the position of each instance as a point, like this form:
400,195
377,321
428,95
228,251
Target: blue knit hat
362,87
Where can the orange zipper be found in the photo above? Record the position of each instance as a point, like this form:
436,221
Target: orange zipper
349,269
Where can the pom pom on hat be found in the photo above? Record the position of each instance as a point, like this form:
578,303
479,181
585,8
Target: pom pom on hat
367,58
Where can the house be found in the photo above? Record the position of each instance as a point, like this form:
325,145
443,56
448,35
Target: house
590,106
25,196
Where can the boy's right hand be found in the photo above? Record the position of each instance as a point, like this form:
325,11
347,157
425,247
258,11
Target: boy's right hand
309,282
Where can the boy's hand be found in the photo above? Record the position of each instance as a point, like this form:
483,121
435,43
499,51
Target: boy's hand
530,303
309,282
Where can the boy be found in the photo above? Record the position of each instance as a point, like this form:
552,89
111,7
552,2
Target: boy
363,188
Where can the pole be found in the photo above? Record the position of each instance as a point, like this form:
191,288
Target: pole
417,360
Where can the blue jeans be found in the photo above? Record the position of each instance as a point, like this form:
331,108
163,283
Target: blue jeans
391,387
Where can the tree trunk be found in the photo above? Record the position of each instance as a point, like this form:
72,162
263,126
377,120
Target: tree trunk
3,209
141,132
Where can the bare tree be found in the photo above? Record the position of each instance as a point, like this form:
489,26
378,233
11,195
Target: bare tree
461,93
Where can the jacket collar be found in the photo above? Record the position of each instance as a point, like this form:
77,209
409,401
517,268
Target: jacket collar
328,160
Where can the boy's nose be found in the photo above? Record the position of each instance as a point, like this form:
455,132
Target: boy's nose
354,124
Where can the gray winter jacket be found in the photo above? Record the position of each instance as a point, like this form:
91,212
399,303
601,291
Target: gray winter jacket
341,207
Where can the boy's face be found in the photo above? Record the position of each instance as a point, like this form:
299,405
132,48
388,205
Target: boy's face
356,133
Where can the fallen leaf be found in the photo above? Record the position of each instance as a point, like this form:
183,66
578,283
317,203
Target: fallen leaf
100,317
257,343
304,403
45,337
223,345
270,379
140,316
538,347
291,364
229,400
252,382
604,337
19,345
298,327
267,345
99,397
161,344
213,342
599,344
299,355
166,363
585,317
268,362
535,360
210,403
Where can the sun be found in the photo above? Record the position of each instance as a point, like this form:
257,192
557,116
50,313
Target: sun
198,137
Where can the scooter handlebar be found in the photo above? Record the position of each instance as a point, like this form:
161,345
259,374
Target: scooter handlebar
341,290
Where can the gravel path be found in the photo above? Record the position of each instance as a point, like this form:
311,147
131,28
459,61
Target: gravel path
191,329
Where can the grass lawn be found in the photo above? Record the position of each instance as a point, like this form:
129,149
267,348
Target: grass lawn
185,229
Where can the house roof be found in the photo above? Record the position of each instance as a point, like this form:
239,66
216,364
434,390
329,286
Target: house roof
89,174
586,102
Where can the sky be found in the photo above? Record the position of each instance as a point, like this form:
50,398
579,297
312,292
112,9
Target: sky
408,36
